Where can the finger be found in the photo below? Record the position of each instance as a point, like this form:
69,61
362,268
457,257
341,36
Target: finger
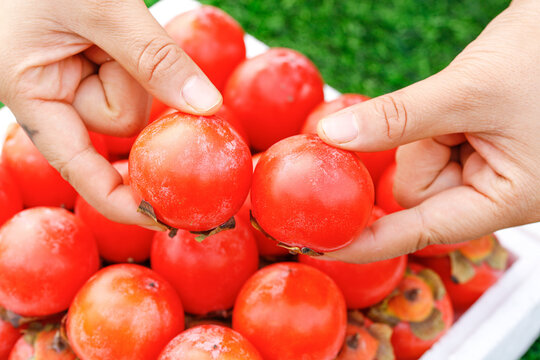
424,168
97,55
438,105
455,215
112,102
62,138
127,31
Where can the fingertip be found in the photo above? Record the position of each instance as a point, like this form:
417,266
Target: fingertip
201,95
339,128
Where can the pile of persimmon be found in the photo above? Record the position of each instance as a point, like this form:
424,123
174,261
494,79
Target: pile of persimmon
250,197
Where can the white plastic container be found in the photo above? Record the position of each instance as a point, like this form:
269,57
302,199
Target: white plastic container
504,322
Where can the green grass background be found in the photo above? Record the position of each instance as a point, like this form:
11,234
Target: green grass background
369,46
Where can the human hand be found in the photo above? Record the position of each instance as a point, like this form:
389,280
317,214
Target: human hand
469,160
67,67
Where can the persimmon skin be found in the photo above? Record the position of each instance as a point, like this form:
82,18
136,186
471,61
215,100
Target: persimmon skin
22,350
10,196
117,243
306,193
363,285
212,38
46,255
8,337
206,275
210,342
409,347
195,171
384,196
291,311
464,295
124,312
39,183
272,94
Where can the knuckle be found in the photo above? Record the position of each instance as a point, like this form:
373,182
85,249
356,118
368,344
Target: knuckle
427,234
392,109
156,56
68,167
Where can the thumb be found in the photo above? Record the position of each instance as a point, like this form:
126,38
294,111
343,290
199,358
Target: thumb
438,105
128,32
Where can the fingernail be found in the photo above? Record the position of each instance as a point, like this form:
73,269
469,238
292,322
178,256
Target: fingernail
341,127
200,94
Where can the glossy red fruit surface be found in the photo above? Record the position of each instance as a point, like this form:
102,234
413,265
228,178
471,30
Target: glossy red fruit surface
207,275
384,191
291,311
362,285
116,242
213,39
437,250
272,94
8,337
46,347
195,171
46,255
39,183
22,350
226,114
124,312
10,196
210,342
306,193
375,162
265,245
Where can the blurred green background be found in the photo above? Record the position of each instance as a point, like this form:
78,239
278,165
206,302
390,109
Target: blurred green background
369,46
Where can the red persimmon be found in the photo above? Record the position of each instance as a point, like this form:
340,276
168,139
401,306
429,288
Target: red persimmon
124,311
267,247
40,184
22,350
99,143
41,345
119,146
308,194
272,94
437,250
366,340
212,38
226,114
375,162
363,285
291,311
212,342
385,193
116,242
195,171
46,255
8,337
10,196
206,275
470,270
419,310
